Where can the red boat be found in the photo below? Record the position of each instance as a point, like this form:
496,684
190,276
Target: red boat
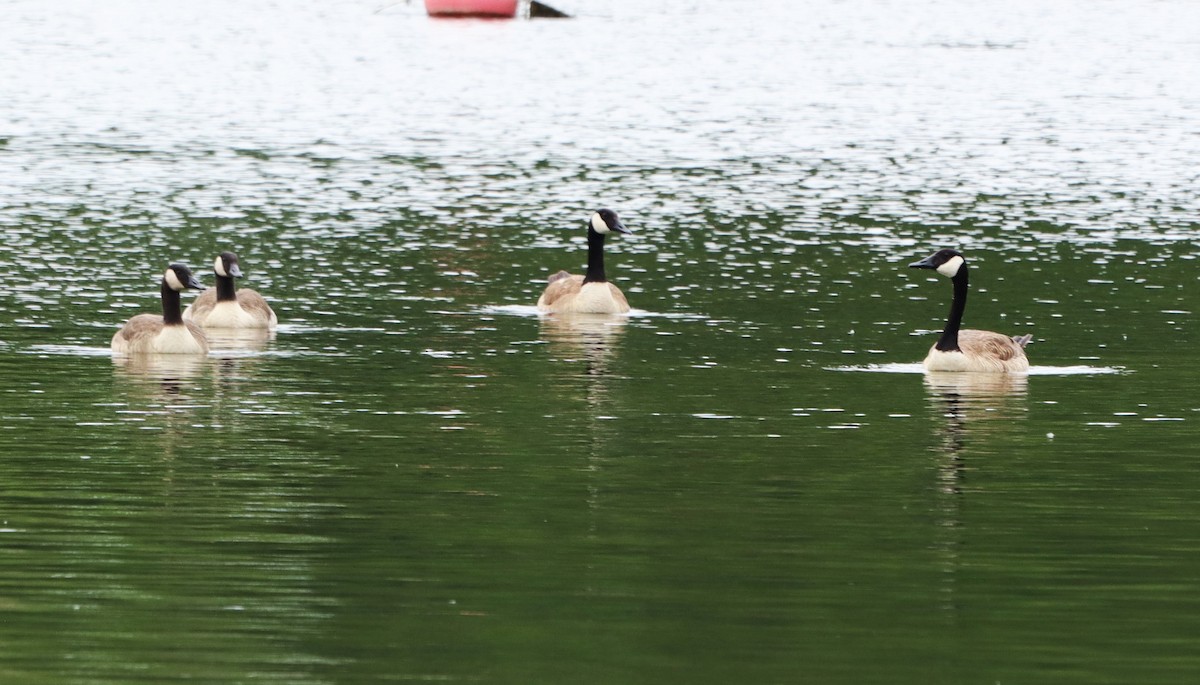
503,9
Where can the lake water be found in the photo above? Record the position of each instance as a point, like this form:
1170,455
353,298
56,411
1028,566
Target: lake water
747,480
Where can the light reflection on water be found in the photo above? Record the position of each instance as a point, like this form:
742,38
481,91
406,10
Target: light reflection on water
419,476
982,380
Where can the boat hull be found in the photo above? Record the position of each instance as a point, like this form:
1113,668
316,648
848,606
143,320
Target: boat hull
471,8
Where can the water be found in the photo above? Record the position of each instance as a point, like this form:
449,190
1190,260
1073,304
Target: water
747,480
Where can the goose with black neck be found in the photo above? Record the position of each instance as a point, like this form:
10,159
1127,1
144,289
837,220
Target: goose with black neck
168,333
229,307
965,349
590,293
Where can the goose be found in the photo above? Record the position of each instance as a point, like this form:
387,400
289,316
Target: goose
227,308
969,350
169,333
590,293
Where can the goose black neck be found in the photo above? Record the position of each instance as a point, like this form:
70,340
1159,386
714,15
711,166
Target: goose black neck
170,303
225,290
949,340
595,269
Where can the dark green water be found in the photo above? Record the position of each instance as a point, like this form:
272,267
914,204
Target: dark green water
748,480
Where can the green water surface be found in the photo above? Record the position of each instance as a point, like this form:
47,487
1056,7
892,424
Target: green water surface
748,480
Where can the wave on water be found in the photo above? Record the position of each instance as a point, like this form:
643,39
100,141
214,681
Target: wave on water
1075,370
70,350
532,311
218,350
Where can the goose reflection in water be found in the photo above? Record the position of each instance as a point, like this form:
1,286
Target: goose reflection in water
974,407
238,339
162,397
170,371
590,337
170,379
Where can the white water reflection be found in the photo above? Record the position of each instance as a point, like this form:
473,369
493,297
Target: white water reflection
982,380
71,350
775,161
532,311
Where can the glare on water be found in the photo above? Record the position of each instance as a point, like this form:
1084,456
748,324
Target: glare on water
748,478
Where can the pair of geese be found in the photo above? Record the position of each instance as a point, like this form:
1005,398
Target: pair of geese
177,332
957,349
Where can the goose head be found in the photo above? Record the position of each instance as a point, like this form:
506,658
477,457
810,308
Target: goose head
605,220
178,278
226,264
946,262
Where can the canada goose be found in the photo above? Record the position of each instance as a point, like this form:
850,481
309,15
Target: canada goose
590,293
169,333
969,350
227,308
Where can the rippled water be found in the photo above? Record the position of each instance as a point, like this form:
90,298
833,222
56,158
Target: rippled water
746,480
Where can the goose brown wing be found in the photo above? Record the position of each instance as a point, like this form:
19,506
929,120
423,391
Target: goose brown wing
990,345
196,332
141,326
562,284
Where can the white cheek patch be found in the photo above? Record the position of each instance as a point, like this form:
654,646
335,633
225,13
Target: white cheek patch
598,224
950,268
172,280
219,267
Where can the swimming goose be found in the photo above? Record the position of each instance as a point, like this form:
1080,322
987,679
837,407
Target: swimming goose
169,333
969,350
590,293
227,308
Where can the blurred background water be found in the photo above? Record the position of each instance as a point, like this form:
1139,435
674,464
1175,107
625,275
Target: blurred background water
745,481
